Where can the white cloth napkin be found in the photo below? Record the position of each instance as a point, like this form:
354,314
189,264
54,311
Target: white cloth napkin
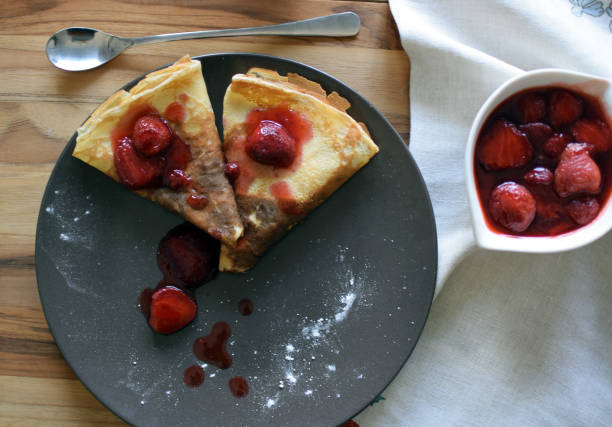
514,339
460,52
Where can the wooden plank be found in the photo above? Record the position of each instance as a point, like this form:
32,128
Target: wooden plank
41,106
36,401
137,18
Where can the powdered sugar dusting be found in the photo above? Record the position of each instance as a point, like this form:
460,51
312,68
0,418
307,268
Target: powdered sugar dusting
314,350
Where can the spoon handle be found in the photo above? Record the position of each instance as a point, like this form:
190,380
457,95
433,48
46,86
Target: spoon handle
336,25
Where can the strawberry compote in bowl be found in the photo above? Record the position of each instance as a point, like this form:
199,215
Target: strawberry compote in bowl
538,163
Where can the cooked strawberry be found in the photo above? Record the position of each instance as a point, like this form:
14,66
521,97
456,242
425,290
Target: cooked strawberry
554,146
576,171
270,143
189,255
536,132
531,107
171,310
539,176
512,206
594,132
134,171
583,211
176,178
564,108
151,135
503,146
178,155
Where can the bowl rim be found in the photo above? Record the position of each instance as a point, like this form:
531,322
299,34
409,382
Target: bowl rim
484,235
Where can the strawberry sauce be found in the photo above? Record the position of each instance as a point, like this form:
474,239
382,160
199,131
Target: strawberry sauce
289,122
212,348
239,387
176,112
245,307
561,113
193,376
285,199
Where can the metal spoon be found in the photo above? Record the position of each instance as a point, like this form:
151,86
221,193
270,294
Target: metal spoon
79,49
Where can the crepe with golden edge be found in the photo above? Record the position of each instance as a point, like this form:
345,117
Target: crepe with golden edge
337,147
181,82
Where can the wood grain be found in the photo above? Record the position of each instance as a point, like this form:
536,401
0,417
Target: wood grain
40,108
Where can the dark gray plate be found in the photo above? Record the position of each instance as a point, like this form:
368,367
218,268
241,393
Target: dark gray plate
339,302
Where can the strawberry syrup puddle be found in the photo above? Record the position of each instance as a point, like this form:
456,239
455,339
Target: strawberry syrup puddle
554,144
194,376
212,348
245,307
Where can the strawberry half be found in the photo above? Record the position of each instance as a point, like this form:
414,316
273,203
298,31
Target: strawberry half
564,108
171,310
577,172
554,146
503,146
134,171
531,107
583,211
539,176
512,206
536,132
594,132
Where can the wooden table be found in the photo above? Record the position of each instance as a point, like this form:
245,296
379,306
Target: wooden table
41,106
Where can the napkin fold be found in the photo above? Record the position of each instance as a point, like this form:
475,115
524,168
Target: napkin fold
460,52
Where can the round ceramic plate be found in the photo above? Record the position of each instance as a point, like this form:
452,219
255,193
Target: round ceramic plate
340,301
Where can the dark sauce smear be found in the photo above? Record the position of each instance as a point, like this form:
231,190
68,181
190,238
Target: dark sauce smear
239,387
188,255
552,216
212,347
193,376
245,306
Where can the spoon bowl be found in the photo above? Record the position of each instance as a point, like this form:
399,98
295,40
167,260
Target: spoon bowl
80,48
486,237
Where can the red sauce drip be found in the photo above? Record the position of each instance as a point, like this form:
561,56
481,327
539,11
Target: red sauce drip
245,306
193,376
212,348
144,302
197,202
296,124
176,112
232,171
551,218
350,423
285,199
183,98
239,387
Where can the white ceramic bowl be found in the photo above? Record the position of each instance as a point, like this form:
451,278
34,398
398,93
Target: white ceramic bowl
490,239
